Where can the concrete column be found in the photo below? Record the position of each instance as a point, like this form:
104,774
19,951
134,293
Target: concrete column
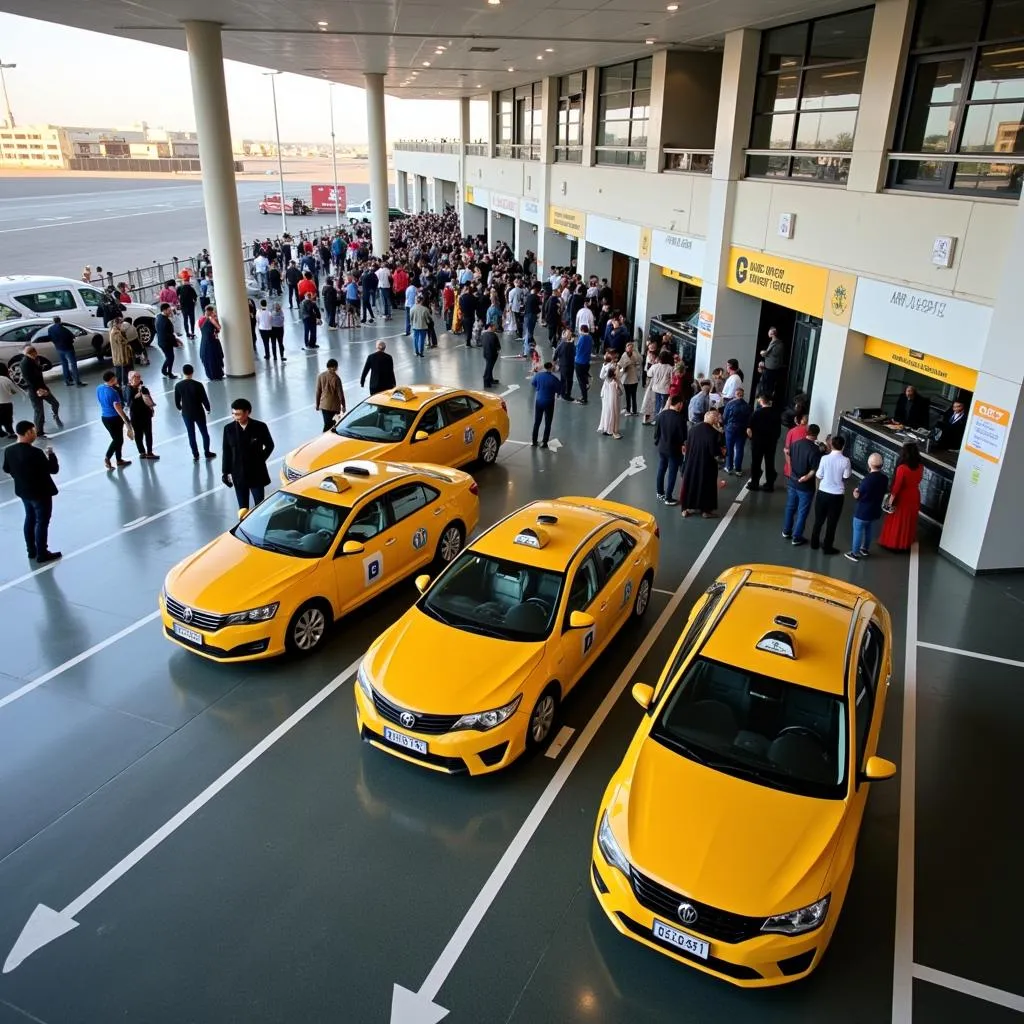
492,122
655,293
732,317
402,190
659,97
209,97
417,193
549,104
464,140
377,131
590,116
844,377
879,98
982,529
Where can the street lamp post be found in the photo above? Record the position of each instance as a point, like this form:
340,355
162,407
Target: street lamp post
334,156
272,75
3,84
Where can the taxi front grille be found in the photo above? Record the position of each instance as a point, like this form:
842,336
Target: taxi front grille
291,474
428,725
712,922
193,616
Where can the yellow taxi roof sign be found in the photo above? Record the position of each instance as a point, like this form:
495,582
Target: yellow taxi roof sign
531,538
402,394
777,641
334,484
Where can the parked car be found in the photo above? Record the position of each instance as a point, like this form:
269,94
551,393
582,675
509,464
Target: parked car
25,295
293,205
359,213
16,334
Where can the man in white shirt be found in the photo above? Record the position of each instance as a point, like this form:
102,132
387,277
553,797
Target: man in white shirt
384,288
517,303
556,280
732,382
833,472
264,326
585,316
260,267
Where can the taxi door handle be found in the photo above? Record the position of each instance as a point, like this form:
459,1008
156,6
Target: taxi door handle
388,543
437,511
445,436
636,561
603,606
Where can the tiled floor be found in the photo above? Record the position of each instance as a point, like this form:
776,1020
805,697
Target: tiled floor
325,872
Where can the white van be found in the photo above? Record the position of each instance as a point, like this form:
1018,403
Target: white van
24,295
358,213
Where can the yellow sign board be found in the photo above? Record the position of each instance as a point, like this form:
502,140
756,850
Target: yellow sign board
921,362
469,193
568,222
839,300
799,286
645,243
685,278
987,430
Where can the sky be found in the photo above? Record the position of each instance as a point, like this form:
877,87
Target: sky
68,76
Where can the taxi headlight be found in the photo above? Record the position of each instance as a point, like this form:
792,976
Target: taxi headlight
609,846
796,922
363,679
262,614
484,720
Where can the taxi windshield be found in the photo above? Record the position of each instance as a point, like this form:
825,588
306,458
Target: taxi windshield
495,597
757,727
371,422
292,525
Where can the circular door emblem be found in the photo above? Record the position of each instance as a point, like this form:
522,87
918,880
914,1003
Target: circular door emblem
408,719
419,538
687,913
186,614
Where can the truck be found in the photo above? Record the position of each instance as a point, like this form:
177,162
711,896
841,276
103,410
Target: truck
321,200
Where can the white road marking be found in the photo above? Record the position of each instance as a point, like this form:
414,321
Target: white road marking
971,654
508,391
637,464
1010,1000
903,952
655,590
10,698
134,522
558,743
46,924
44,219
409,1007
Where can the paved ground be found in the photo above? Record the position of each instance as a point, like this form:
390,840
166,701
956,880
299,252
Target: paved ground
58,225
327,872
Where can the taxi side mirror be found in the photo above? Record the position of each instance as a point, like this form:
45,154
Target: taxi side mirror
878,769
643,695
422,582
352,547
580,620
242,513
420,435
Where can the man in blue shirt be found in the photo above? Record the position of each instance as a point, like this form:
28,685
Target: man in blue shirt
64,342
410,301
114,418
547,386
735,419
584,347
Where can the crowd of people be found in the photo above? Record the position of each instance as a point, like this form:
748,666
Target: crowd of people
439,281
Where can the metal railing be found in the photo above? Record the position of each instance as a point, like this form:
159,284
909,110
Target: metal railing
621,156
690,161
824,167
569,154
992,175
478,148
427,146
517,150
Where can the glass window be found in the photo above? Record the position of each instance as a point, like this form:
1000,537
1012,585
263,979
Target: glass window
91,296
993,128
816,68
1000,74
1005,20
459,407
6,313
20,335
369,421
612,552
368,521
569,127
948,22
585,585
410,498
48,302
623,112
432,419
292,525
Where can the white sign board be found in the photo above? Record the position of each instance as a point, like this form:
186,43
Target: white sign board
681,253
481,197
942,326
502,203
529,209
617,235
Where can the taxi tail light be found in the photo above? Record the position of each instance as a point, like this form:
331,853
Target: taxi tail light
657,532
473,488
504,407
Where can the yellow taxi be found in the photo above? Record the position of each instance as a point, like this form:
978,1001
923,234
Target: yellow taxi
420,423
523,612
312,552
726,837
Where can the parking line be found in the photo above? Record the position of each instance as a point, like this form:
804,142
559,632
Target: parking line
558,743
446,962
970,988
655,590
903,951
971,654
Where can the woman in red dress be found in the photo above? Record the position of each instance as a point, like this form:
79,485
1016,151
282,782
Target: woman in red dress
900,528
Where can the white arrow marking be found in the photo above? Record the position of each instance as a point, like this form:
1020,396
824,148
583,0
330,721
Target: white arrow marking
554,444
419,1007
45,924
134,522
559,742
636,465
508,391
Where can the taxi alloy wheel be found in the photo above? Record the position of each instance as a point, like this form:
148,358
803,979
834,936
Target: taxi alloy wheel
450,544
308,628
542,717
489,448
643,597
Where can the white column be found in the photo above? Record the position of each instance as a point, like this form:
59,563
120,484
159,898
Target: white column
464,140
590,116
377,131
418,182
402,190
209,97
659,97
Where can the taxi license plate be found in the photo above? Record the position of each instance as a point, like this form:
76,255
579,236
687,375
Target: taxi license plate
409,742
687,943
187,634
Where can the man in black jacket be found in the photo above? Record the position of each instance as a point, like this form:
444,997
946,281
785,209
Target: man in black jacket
247,446
491,346
193,403
187,299
380,368
467,310
38,392
33,472
64,342
763,431
670,437
293,276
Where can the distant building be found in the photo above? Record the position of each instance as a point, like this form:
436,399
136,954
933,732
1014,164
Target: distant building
38,146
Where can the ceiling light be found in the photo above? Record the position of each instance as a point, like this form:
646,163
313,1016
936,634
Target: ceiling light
672,7
540,56
494,3
322,24
648,42
426,63
511,69
549,49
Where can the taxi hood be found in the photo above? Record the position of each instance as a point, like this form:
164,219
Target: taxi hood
327,449
229,575
725,841
427,666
